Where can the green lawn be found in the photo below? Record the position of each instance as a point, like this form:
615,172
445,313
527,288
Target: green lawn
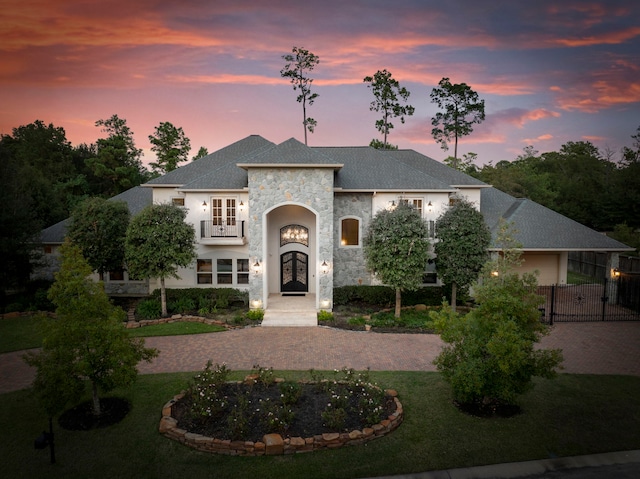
25,332
572,415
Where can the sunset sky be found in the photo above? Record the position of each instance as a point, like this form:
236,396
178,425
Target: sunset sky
549,71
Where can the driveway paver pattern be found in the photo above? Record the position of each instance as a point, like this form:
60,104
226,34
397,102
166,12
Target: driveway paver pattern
589,348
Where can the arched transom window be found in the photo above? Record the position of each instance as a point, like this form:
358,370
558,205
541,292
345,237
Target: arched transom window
294,234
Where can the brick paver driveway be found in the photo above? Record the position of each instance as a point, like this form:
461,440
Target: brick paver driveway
596,348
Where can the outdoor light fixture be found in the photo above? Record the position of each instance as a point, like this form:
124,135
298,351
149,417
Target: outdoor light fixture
495,273
256,267
324,267
241,206
204,206
429,206
615,273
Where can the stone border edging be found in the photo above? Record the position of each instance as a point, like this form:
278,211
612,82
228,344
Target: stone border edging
133,323
275,444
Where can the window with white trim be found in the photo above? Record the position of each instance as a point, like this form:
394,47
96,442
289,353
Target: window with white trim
350,231
415,202
223,211
177,201
227,271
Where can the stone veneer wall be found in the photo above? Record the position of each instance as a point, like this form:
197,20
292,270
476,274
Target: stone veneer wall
275,444
271,187
349,263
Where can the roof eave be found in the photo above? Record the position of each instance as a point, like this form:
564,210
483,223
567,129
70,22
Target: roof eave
246,166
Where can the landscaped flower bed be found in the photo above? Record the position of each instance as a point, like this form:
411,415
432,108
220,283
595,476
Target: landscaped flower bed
265,415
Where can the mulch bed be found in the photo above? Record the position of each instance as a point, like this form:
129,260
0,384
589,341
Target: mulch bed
307,413
81,417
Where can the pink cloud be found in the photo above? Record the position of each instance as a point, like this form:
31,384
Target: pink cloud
529,141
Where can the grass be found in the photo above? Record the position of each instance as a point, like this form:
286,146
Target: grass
176,329
20,333
25,332
572,415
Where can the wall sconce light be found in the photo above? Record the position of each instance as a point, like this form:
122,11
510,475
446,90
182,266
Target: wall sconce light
429,207
241,206
256,267
256,303
392,205
615,272
324,267
204,206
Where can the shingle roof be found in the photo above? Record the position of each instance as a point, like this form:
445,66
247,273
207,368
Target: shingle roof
207,165
369,169
541,228
290,152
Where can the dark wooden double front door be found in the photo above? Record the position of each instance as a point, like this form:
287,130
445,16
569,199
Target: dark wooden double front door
294,272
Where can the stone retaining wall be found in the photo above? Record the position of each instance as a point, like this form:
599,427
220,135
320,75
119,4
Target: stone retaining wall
132,323
275,444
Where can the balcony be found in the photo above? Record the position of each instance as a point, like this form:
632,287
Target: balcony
221,233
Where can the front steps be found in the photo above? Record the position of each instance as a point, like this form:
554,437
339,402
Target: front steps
290,311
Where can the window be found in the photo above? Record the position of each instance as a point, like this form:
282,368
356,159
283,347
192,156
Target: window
243,271
204,271
225,271
47,249
415,202
350,232
430,276
223,211
177,201
294,234
116,275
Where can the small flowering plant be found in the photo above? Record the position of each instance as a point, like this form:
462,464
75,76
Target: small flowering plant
206,391
262,404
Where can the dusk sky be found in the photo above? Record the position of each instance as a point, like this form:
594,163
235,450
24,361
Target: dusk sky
549,71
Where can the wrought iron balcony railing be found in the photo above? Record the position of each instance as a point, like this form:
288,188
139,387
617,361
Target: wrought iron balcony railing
217,229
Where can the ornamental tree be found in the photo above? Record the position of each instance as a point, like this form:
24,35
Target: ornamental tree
158,242
462,249
489,357
396,249
390,99
99,228
462,109
87,341
300,63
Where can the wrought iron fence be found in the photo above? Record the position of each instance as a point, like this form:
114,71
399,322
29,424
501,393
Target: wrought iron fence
616,299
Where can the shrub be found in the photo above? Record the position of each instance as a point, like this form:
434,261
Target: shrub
255,314
182,305
384,296
325,316
148,309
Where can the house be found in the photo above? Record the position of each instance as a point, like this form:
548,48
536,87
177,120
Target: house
290,219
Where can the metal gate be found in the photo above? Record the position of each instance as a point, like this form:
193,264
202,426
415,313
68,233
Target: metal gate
615,299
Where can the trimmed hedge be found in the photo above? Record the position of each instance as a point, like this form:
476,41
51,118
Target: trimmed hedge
199,298
386,296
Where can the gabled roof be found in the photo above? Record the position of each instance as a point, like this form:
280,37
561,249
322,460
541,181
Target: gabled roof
203,167
540,228
289,153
